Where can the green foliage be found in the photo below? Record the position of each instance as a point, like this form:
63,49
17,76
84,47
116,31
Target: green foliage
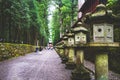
55,27
111,2
66,10
114,5
23,20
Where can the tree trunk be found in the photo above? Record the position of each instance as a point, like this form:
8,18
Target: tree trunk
35,38
61,19
28,36
10,37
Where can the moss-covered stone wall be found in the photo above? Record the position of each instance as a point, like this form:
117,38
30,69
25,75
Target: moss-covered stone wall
8,50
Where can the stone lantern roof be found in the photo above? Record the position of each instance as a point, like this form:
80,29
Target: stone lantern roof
60,43
79,28
70,34
65,37
100,15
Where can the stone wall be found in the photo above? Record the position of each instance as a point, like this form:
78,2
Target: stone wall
8,50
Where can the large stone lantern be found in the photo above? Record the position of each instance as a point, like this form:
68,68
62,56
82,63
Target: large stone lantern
102,38
80,34
101,22
80,40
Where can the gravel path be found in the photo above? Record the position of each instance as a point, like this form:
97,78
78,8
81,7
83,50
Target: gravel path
44,65
112,75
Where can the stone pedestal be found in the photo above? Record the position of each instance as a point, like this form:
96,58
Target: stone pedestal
80,72
71,59
79,57
101,61
57,50
101,66
61,53
65,57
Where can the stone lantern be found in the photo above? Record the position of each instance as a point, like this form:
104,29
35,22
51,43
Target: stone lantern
80,34
60,48
102,38
102,25
80,72
65,57
80,39
71,55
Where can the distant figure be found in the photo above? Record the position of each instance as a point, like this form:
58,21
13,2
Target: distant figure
40,49
50,46
37,49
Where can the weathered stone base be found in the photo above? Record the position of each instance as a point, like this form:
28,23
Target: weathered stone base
64,59
70,65
60,55
81,74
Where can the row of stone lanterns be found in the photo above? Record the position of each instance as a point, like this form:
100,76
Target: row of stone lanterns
74,42
100,24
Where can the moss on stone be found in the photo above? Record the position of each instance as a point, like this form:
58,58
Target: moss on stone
8,50
80,73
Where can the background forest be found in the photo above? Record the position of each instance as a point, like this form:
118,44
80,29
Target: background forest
26,21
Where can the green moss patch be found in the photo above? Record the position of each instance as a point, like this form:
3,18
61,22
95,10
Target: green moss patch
8,50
